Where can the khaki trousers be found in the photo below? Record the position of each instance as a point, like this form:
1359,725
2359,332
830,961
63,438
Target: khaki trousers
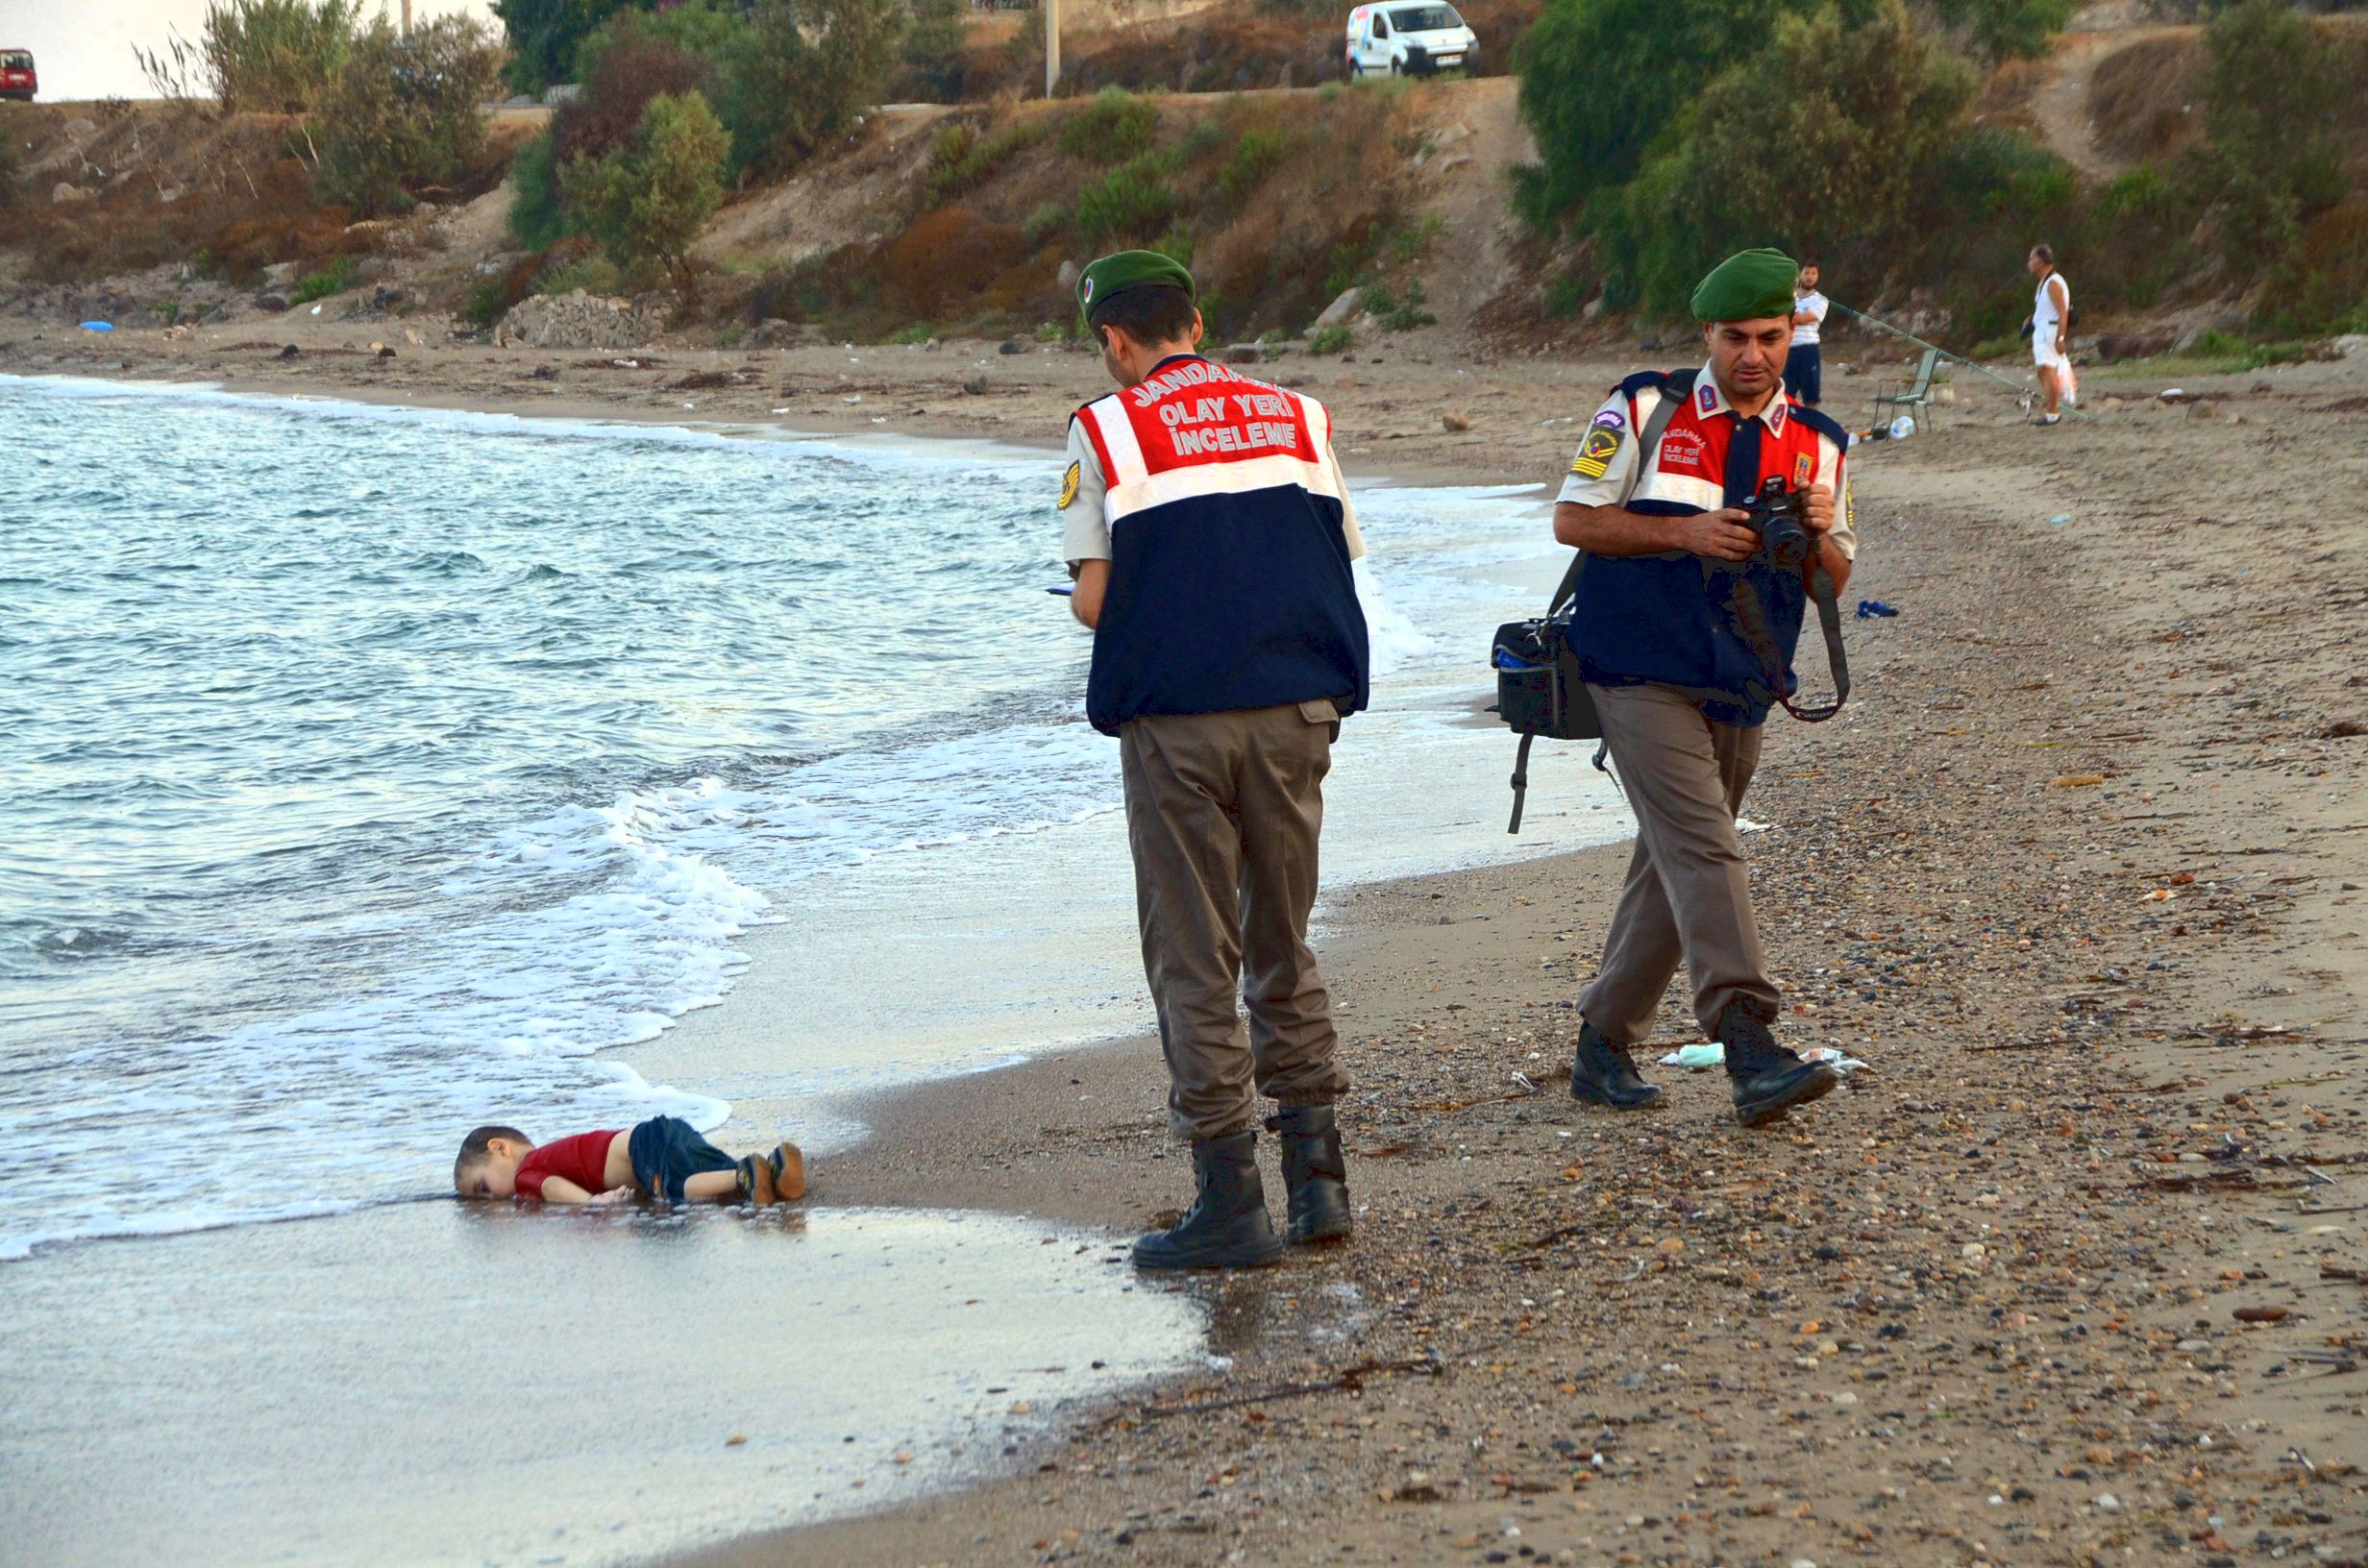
1223,813
1688,892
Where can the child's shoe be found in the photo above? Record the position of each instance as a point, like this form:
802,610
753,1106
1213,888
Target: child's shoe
756,1181
788,1167
778,1177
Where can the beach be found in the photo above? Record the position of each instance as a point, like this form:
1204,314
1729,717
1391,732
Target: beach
2076,874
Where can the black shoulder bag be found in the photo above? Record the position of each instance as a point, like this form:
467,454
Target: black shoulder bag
1539,691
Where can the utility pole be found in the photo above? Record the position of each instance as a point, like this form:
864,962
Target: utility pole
406,19
1052,44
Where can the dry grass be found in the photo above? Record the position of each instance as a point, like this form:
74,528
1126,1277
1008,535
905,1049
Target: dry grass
175,182
2005,96
1272,197
2147,101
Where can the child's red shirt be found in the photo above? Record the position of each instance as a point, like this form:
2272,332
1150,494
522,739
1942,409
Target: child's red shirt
583,1160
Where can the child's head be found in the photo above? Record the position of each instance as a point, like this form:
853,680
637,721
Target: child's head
488,1162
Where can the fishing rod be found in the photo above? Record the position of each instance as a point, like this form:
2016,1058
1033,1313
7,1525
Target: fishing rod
2023,391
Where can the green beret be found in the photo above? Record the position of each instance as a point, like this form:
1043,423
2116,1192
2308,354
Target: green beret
1746,286
1133,269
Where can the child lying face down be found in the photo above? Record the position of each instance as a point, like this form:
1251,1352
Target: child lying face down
661,1157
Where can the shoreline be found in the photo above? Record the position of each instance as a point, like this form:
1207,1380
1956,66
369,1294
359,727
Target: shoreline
1937,884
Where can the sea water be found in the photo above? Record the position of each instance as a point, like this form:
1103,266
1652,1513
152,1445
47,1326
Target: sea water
370,773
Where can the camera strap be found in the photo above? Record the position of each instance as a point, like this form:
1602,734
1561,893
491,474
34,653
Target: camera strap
1751,624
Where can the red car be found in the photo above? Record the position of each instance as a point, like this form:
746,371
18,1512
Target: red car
16,75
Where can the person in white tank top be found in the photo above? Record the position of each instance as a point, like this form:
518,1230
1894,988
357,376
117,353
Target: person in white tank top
2051,333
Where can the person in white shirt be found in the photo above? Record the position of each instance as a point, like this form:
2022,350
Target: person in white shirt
2051,333
1804,369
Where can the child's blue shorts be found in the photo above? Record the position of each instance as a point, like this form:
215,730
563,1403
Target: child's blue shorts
667,1151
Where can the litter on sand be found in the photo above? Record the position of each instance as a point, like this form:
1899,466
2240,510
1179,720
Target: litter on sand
1870,608
1714,1054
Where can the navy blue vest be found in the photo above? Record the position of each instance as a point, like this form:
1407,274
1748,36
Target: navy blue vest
1229,570
1667,620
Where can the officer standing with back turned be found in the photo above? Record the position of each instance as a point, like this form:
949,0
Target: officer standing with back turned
1680,682
1210,533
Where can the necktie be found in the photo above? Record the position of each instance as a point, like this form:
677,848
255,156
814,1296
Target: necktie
1742,476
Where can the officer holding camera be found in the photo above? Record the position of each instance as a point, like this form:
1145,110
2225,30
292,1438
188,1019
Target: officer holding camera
1689,606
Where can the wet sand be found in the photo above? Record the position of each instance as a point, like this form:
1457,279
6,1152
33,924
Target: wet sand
2078,872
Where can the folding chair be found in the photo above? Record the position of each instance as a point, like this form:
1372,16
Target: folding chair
1894,397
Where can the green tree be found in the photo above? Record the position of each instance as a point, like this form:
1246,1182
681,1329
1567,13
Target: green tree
274,56
405,111
544,36
1818,142
809,70
932,52
2267,160
648,202
1602,79
2003,29
538,213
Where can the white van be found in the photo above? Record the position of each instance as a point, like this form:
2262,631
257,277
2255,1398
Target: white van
1412,39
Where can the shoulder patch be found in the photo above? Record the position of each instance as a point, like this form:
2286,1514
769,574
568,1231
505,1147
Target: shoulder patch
1068,485
1611,419
1596,453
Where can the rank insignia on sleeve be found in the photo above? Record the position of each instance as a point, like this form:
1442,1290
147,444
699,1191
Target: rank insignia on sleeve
1068,485
1596,453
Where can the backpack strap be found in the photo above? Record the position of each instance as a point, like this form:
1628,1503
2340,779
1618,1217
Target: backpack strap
1675,388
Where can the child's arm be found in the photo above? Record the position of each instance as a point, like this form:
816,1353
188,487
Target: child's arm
559,1189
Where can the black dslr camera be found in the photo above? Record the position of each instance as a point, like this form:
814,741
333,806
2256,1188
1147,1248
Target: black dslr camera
1780,517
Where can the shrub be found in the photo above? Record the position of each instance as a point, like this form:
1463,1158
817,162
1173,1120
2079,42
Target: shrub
1397,311
489,301
2321,286
809,69
932,52
404,111
920,331
1113,128
333,279
1254,156
1602,79
1820,142
2270,94
2003,29
1132,201
1045,222
649,201
277,57
955,163
1333,339
545,35
12,188
627,64
538,214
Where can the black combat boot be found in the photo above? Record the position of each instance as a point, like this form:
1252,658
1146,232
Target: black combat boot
1226,1226
1603,1073
1769,1079
1315,1172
